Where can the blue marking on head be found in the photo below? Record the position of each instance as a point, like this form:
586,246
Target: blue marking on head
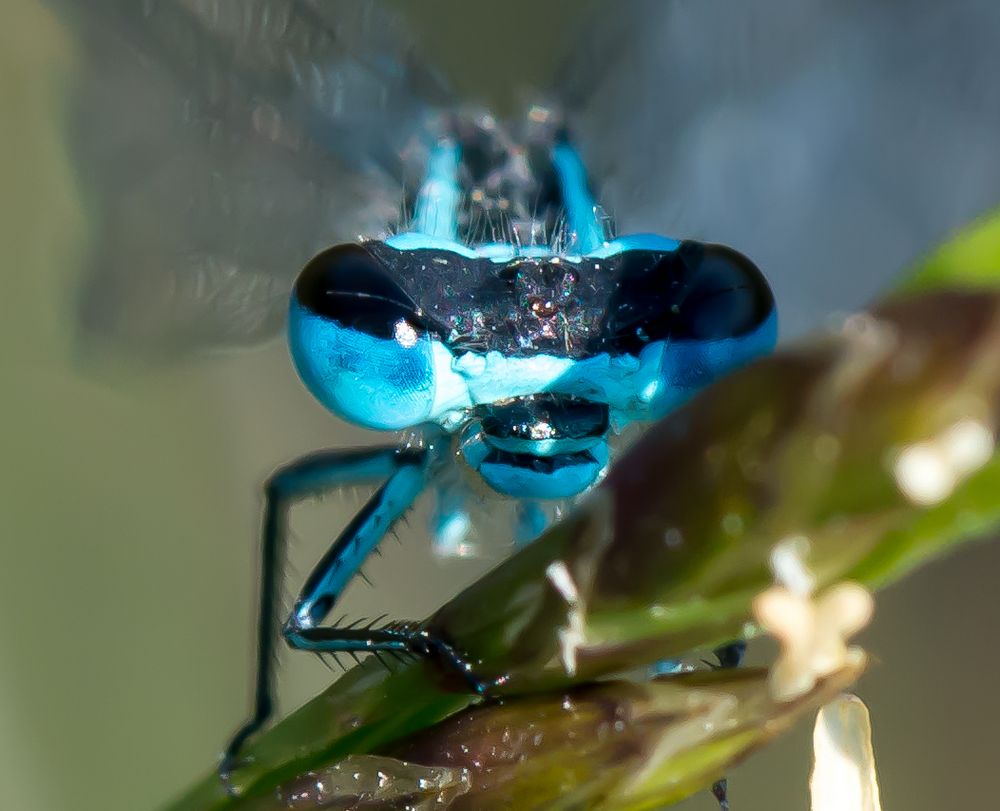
664,375
634,242
407,376
417,240
525,482
499,252
687,367
379,383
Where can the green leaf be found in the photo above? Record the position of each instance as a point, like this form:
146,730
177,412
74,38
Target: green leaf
969,259
875,442
822,441
610,746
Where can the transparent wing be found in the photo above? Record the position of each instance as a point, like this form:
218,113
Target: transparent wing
221,143
831,140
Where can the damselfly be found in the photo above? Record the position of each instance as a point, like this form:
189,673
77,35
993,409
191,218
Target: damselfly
822,140
514,357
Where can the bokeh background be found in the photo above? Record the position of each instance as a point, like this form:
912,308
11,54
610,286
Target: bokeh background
129,497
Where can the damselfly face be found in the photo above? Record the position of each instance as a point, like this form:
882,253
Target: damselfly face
534,358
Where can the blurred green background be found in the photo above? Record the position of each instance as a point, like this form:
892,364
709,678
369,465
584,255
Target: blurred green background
129,509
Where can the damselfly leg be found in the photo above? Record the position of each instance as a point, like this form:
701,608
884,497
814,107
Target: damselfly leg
406,473
731,655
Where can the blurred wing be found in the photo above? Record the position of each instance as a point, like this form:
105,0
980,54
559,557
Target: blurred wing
831,140
220,144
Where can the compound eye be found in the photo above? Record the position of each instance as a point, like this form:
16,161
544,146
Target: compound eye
359,343
348,285
698,292
723,295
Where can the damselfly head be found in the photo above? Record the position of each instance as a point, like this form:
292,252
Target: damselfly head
393,334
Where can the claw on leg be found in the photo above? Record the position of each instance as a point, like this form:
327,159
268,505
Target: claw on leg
719,791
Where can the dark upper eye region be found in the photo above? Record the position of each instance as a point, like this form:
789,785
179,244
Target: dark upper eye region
350,286
698,292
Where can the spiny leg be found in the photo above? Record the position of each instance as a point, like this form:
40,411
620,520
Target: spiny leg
531,522
407,471
720,791
341,562
395,639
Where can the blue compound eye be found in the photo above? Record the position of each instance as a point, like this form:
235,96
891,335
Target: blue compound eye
360,343
698,292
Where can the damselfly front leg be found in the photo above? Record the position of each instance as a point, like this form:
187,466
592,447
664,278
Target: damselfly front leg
406,473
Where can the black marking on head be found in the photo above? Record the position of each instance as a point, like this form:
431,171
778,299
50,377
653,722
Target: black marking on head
522,308
533,306
699,292
561,416
546,465
349,285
